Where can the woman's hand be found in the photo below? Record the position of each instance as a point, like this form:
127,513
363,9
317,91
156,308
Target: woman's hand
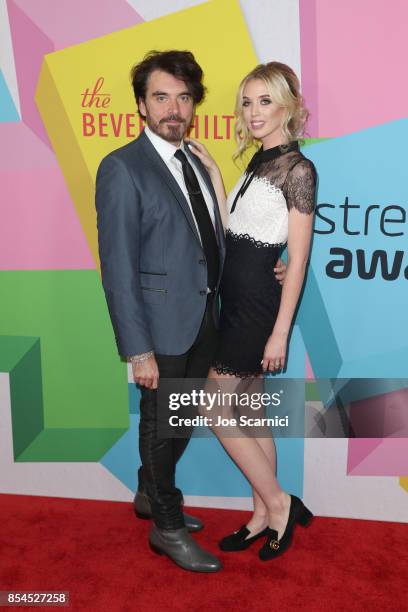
280,271
274,357
215,175
200,150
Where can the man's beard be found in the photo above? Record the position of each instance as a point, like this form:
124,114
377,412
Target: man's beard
171,133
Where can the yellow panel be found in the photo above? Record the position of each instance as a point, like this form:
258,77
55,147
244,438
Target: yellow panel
404,482
217,35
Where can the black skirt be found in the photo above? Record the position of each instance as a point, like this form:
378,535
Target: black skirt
250,298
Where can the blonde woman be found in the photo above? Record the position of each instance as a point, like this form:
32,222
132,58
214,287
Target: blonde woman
271,206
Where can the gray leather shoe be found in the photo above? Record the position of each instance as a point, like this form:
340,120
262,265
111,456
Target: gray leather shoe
143,510
181,548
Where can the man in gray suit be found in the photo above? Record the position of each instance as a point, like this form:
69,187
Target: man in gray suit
161,246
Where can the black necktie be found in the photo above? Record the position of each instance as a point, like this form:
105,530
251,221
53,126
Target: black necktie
203,219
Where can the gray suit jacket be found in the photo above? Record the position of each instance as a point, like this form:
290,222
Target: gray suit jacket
153,266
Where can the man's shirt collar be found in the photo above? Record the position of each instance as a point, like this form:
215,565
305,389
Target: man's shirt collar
165,149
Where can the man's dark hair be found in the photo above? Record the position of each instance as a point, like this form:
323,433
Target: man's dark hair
181,64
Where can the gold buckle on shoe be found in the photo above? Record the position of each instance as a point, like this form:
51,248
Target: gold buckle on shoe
274,544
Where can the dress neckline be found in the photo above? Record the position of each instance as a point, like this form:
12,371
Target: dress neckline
262,156
259,158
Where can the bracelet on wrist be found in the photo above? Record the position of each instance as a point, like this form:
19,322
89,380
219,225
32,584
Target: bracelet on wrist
142,357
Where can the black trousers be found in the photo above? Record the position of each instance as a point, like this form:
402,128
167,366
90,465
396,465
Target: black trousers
160,455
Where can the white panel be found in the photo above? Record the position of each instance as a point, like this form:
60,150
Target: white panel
273,25
6,55
329,491
152,9
275,30
228,503
84,480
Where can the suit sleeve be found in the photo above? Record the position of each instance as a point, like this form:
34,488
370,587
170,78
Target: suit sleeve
118,220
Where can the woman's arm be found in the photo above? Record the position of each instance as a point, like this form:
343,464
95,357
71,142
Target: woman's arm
215,175
300,199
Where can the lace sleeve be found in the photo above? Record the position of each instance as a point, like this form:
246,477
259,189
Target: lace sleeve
300,187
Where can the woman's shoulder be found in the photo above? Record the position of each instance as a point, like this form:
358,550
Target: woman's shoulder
300,184
301,165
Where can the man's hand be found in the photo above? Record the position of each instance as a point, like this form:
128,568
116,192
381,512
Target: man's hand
280,271
146,373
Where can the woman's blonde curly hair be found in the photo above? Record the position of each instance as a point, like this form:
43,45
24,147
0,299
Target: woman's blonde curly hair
284,88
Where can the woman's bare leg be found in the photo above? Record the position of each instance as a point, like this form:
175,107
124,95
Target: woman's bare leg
256,457
260,518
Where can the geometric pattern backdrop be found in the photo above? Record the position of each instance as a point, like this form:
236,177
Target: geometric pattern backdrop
68,408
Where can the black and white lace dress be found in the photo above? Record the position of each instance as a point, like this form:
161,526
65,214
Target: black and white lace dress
275,181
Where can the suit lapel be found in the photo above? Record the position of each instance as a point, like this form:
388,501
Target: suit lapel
171,182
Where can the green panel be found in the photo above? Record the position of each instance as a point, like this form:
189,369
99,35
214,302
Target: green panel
312,392
27,415
59,444
12,349
310,141
84,383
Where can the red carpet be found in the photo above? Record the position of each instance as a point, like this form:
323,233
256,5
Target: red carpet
98,552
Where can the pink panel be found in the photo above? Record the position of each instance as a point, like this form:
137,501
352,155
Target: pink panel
35,195
309,371
354,80
308,59
381,416
368,457
44,26
30,45
69,22
358,450
384,415
21,149
35,200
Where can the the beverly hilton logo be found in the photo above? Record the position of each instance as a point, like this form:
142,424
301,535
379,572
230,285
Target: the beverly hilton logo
99,122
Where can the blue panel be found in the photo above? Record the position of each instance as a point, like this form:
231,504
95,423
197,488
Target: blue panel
205,469
123,458
354,326
134,399
8,112
290,464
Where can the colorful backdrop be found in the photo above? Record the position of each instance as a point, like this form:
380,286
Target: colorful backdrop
68,408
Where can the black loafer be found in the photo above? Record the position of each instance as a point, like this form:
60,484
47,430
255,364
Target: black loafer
239,539
298,514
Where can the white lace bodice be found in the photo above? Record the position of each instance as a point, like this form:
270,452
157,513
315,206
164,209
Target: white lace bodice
261,214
